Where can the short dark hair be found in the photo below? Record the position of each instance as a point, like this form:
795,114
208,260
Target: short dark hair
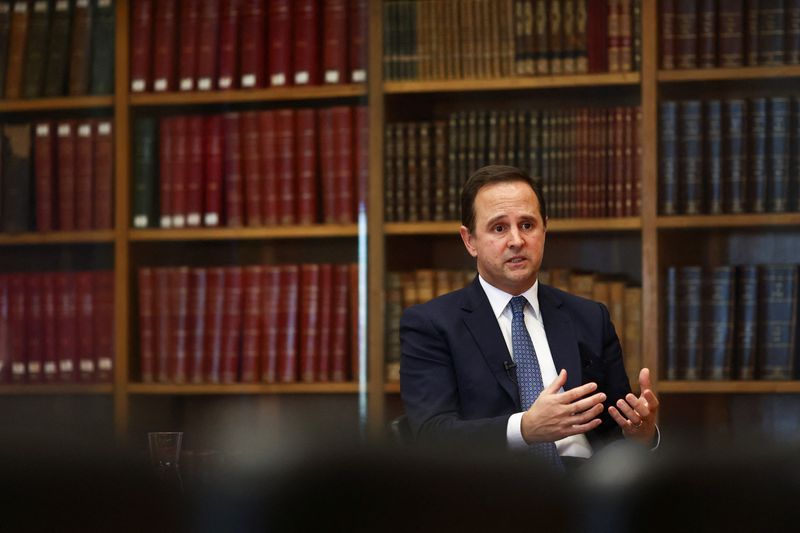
495,174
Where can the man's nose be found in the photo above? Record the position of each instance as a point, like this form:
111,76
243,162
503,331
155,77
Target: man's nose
514,238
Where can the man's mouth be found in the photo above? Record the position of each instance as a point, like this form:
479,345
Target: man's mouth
516,260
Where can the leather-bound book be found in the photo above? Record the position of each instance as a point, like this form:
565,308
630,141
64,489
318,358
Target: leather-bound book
214,314
17,328
668,151
34,346
334,40
343,141
165,45
48,330
685,34
756,191
66,148
56,65
306,165
84,291
580,41
751,32
103,201
541,36
231,326
66,326
166,156
666,18
279,30
251,168
162,315
690,323
359,22
103,46
794,162
712,157
207,46
707,34
228,63
17,210
103,302
309,321
44,171
340,336
287,323
718,322
5,30
746,325
690,159
179,170
569,50
18,37
792,14
327,165
190,38
194,170
268,161
424,170
144,173
730,33
141,46
306,52
84,175
196,324
389,178
361,157
147,325
80,48
412,171
178,312
285,142
777,322
734,165
272,303
36,49
771,33
5,330
251,44
232,165
625,36
778,145
555,42
213,153
597,36
251,323
325,320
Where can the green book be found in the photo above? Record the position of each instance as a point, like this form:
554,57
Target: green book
144,173
102,74
36,50
55,76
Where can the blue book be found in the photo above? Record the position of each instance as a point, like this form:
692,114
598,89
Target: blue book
690,170
757,144
712,156
734,165
718,323
777,327
794,164
778,155
668,148
746,321
690,322
671,323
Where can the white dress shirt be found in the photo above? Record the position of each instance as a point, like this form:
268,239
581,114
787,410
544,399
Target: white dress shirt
574,446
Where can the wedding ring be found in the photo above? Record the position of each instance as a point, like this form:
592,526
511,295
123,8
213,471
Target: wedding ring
637,426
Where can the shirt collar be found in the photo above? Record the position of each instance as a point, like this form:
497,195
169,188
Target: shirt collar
499,299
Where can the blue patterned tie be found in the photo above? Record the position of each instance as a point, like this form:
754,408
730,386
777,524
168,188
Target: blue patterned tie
529,375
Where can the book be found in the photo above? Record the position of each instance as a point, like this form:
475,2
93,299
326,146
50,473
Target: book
707,33
178,313
227,62
5,30
757,154
305,53
327,166
712,157
147,326
287,324
251,44
214,320
690,322
280,29
252,179
103,304
334,39
44,171
596,36
84,175
268,161
685,34
143,213
771,32
103,47
778,116
196,324
343,146
34,324
286,166
84,292
49,327
18,354
734,165
103,165
746,325
166,158
66,159
18,37
305,130
5,333
718,323
309,308
176,162
251,322
322,370
66,326
165,27
213,150
163,319
340,341
730,33
271,291
17,190
36,49
80,48
191,47
777,324
632,332
357,49
141,46
232,171
668,150
194,170
690,136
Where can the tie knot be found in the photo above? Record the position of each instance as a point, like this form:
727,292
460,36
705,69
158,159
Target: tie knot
518,304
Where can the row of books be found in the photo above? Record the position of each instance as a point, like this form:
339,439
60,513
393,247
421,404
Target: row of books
263,323
589,160
729,33
57,327
225,44
284,166
731,322
56,48
462,39
730,156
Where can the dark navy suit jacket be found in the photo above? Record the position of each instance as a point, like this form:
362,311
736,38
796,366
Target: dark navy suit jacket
453,380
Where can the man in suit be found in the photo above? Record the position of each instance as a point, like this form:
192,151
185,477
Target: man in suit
547,374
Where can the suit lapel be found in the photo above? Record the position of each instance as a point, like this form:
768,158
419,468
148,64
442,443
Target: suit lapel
560,336
482,324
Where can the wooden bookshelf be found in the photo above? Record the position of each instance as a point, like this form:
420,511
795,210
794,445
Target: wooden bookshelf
57,237
512,84
729,387
748,220
392,387
45,389
292,93
723,74
243,388
56,104
274,232
558,225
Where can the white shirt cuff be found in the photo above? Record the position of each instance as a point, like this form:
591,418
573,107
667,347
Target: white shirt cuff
514,432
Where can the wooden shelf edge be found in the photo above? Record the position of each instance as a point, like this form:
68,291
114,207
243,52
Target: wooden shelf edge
40,389
248,95
277,232
391,387
243,388
563,225
723,74
735,387
731,221
512,83
66,102
58,237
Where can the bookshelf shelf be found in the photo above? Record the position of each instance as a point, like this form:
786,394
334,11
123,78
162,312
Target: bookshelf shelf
729,387
511,84
51,389
723,74
53,104
565,225
318,92
275,232
244,388
730,221
58,237
391,387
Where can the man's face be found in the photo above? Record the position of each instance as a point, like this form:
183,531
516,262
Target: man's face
508,241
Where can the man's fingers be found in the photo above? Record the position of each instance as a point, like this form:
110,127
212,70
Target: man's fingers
585,416
577,393
644,379
586,403
582,428
628,411
557,383
651,398
618,418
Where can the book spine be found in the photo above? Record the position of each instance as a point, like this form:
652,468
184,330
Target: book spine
734,153
251,44
20,21
285,142
192,44
343,142
309,320
84,284
5,330
719,323
305,18
206,66
792,8
730,33
287,324
334,40
625,39
794,162
34,325
690,334
194,176
757,154
541,27
214,169
251,169
357,56
268,159
425,179
685,34
751,33
777,334
84,175
80,48
144,173
778,155
690,157
340,335
232,165
251,322
272,299
669,158
35,49
747,299
214,313
103,164
166,163
147,324
227,63
162,318
231,326
17,328
196,324
5,30
141,46
49,328
712,156
103,301
327,166
102,48
306,165
707,34
771,33
597,36
164,45
66,326
45,182
555,44
322,370
178,169
178,303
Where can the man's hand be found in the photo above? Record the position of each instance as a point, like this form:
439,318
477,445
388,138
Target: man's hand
555,415
637,416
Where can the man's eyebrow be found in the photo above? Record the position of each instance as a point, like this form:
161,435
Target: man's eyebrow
495,219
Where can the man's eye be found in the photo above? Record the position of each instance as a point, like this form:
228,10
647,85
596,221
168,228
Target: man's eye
526,225
498,229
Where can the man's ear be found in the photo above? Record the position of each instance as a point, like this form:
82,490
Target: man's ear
466,237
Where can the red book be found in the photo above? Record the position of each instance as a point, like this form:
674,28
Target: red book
340,332
161,319
43,148
196,324
629,153
179,301
323,369
147,324
354,322
16,326
251,168
287,324
284,122
212,149
188,52
166,155
179,168
306,49
334,41
359,21
306,160
251,44
49,328
215,309
194,170
103,175
66,326
141,42
34,323
343,142
164,45
207,51
309,321
84,176
232,157
66,176
597,35
361,148
5,330
618,193
231,325
327,165
228,40
104,325
268,160
251,326
84,283
279,19
637,165
272,302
